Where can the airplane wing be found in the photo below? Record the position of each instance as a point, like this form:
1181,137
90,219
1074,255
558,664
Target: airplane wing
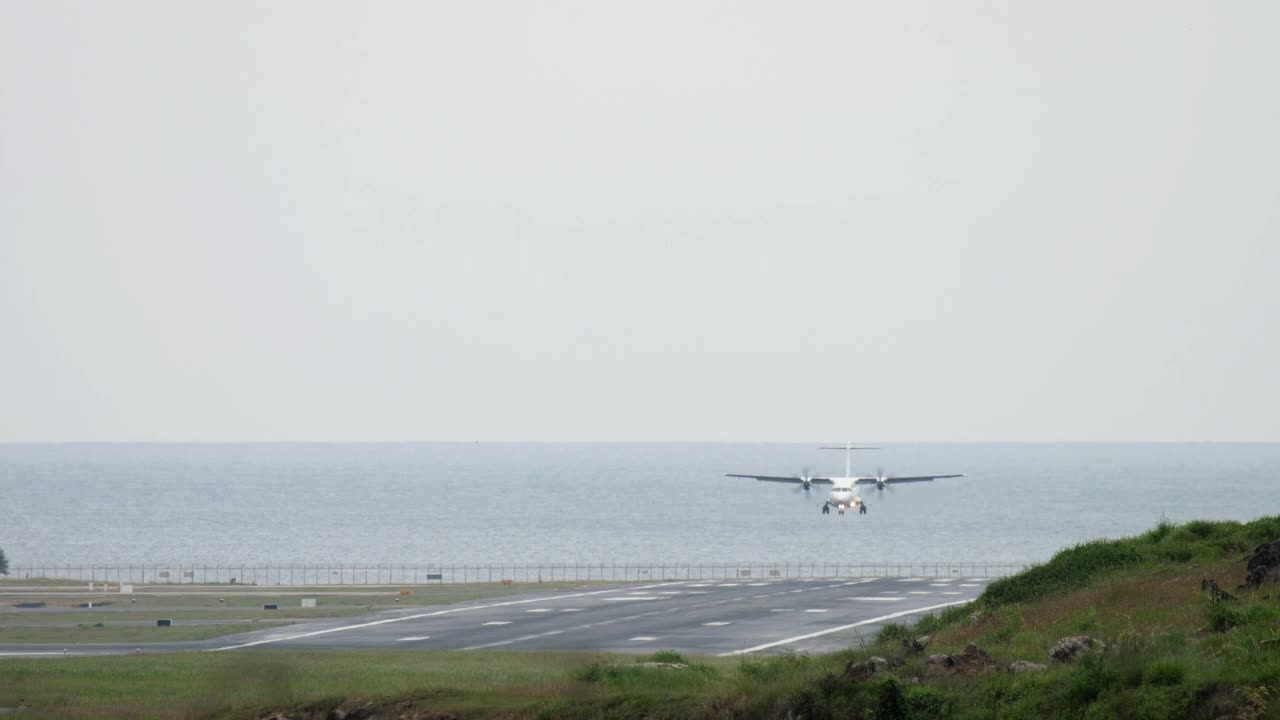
781,478
905,479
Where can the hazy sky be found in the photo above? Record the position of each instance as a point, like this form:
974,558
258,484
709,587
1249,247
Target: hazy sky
639,221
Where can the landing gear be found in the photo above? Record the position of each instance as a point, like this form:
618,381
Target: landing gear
826,509
862,509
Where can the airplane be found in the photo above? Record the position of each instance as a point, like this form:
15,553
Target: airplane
843,495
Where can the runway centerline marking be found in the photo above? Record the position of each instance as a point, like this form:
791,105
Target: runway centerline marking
817,610
498,622
414,639
643,638
539,610
717,623
839,628
878,599
419,616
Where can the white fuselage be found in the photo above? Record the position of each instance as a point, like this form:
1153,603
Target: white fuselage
842,495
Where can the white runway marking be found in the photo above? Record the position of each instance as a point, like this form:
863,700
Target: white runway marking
951,592
796,591
419,616
717,623
913,592
840,628
570,609
757,584
912,579
625,598
643,638
938,585
978,580
890,592
816,610
780,610
498,622
539,610
968,584
414,639
700,585
727,585
879,599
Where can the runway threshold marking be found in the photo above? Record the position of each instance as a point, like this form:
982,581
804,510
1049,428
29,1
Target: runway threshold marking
419,616
840,628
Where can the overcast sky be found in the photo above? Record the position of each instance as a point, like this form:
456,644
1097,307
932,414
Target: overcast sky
639,221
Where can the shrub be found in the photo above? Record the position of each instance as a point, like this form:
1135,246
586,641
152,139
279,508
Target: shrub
1221,617
1164,672
667,656
893,632
1069,569
1161,530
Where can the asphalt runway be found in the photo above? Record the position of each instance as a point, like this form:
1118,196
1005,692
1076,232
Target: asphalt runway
692,617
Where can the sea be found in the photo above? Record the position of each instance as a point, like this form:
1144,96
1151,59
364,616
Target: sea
486,503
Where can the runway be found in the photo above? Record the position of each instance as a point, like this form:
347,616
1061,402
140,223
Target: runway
693,617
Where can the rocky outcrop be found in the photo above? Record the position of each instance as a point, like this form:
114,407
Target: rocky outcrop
1069,647
1021,666
1262,565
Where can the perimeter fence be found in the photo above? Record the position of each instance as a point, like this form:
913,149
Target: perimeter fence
329,575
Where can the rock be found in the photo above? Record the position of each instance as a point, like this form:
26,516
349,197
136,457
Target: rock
1215,593
856,672
1019,666
918,644
1263,565
1068,647
972,660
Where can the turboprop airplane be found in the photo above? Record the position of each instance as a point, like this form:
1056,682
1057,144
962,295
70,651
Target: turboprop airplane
843,495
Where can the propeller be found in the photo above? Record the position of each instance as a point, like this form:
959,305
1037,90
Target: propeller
881,478
806,481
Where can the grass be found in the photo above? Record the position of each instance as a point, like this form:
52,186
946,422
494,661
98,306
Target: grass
238,684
